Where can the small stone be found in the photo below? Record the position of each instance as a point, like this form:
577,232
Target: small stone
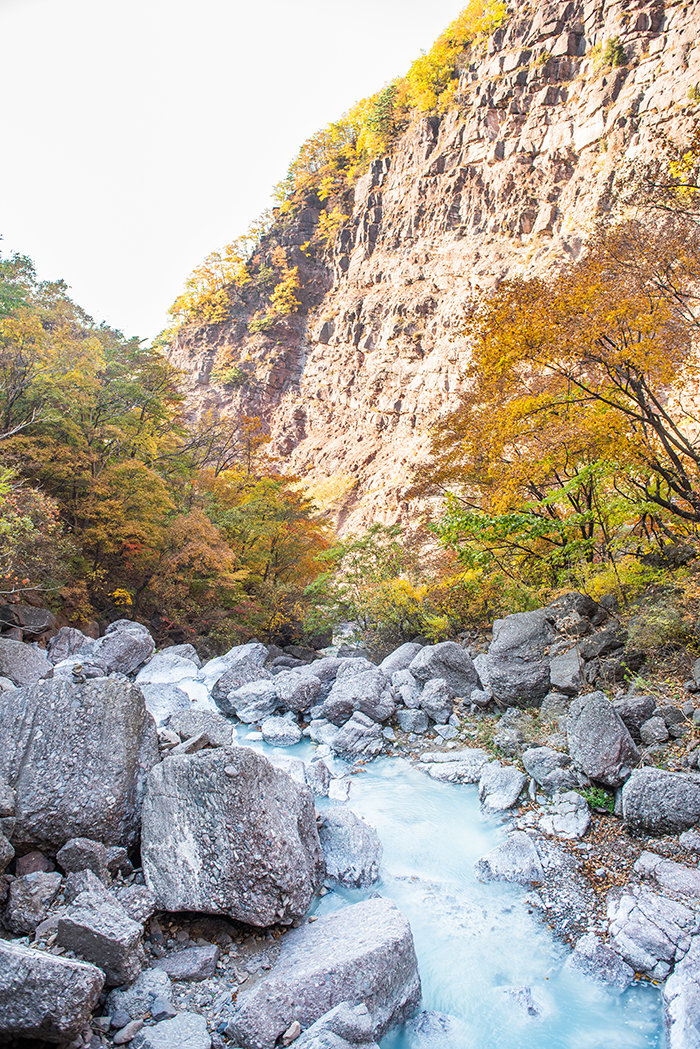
194,963
292,1033
162,1010
128,1033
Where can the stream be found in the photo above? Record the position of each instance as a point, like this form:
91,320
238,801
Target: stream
485,956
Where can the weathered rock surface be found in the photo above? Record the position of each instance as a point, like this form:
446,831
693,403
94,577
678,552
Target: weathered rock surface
77,757
515,860
436,700
362,954
635,709
136,1001
340,1028
42,996
658,802
400,659
500,786
567,816
297,691
245,690
367,691
29,900
98,929
682,1001
22,664
360,737
184,1031
595,960
599,742
448,661
192,963
412,721
462,766
351,848
123,649
550,769
224,832
518,667
650,931
280,732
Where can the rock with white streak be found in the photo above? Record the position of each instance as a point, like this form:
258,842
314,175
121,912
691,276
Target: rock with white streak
360,955
225,832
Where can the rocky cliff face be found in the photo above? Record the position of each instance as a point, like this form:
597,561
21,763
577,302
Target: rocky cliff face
507,183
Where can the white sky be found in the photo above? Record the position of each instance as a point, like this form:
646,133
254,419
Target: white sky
139,135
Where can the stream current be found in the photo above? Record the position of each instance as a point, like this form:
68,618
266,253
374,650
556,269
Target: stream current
485,956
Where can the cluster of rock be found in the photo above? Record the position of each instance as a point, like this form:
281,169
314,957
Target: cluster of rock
101,826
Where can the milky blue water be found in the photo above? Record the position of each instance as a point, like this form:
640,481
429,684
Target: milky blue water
478,945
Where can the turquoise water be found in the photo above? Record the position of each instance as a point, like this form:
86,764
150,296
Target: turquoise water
478,945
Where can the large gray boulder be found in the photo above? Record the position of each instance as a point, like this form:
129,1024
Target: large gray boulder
169,666
351,848
362,954
449,661
514,860
596,961
400,659
45,997
567,816
650,931
22,664
360,737
29,900
550,769
124,648
162,701
342,1027
635,710
369,692
77,757
599,742
96,927
566,672
229,695
518,664
658,802
67,642
225,832
297,691
500,786
682,1001
252,652
436,700
280,732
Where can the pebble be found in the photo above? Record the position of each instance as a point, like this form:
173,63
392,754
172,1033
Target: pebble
292,1033
128,1032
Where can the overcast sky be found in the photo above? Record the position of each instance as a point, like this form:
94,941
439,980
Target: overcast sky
139,135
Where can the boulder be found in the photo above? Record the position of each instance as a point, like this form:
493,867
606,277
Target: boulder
67,642
96,927
29,901
568,816
681,997
361,955
595,960
280,732
168,667
500,786
297,691
407,688
137,1000
650,931
658,802
351,848
189,723
436,700
45,997
162,701
253,652
124,648
635,710
33,622
340,1028
368,691
565,672
670,876
246,691
138,901
653,731
184,1031
459,766
83,854
412,721
515,860
250,851
360,737
400,659
599,742
448,661
550,769
191,963
22,664
518,665
77,757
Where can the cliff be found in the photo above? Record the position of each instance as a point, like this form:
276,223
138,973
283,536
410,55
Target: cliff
508,182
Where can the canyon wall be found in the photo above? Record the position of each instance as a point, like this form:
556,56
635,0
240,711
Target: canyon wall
508,182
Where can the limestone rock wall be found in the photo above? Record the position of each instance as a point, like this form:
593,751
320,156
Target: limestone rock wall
508,183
